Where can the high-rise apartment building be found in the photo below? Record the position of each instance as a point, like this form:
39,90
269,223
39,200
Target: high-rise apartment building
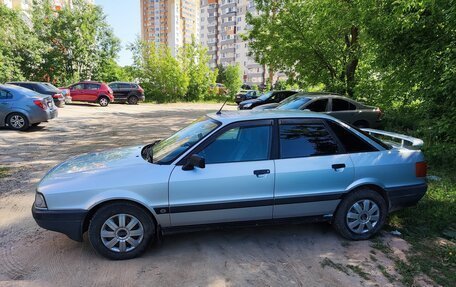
222,24
170,22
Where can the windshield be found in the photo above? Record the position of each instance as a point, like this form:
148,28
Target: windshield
265,96
169,149
293,103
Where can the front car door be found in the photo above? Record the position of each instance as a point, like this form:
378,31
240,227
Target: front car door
5,105
312,171
236,184
77,92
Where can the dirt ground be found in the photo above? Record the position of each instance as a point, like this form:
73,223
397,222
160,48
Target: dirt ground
288,255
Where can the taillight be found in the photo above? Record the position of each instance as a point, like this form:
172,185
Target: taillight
421,169
379,113
40,104
57,96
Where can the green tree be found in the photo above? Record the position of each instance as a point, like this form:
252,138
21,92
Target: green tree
20,49
195,64
233,79
78,42
160,74
313,41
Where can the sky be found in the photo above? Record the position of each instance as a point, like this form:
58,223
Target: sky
125,18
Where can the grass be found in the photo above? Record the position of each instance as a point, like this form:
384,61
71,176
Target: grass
356,269
328,262
4,172
430,228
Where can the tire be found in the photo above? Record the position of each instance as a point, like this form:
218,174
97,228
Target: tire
18,122
103,101
133,100
354,221
361,124
122,249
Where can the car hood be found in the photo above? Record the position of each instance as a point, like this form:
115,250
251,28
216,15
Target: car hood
93,162
266,107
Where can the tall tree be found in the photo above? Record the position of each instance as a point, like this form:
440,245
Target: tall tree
195,64
313,41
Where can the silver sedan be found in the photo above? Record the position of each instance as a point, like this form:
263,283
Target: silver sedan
238,168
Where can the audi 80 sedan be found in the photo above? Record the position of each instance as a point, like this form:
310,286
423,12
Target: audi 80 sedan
241,167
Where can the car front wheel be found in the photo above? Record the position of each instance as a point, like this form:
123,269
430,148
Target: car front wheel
121,231
361,214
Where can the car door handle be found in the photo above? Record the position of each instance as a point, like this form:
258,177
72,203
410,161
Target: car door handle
338,166
259,172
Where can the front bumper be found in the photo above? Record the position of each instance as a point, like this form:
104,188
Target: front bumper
68,222
405,196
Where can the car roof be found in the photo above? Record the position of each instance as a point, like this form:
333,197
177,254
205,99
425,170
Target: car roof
315,95
227,117
26,82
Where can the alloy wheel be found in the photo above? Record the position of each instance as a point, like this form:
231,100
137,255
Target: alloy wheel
363,216
122,233
17,121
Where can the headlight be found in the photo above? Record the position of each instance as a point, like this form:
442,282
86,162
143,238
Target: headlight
39,201
247,105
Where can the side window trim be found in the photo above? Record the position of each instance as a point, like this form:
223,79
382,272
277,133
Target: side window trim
220,131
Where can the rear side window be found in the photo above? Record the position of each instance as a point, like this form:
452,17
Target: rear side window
92,86
351,142
317,106
306,139
342,105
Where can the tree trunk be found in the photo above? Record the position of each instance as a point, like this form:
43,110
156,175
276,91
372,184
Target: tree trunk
352,63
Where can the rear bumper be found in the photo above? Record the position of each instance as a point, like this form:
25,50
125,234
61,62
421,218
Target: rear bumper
38,116
405,196
68,222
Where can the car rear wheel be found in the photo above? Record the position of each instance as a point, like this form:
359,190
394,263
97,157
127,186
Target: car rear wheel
18,121
103,101
121,231
133,100
361,214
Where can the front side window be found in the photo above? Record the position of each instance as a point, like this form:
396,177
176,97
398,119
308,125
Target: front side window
78,87
317,106
239,144
306,139
169,149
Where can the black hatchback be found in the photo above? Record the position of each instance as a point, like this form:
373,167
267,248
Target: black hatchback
124,92
44,89
266,98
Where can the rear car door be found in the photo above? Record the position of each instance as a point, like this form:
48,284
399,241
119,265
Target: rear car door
5,105
343,110
312,172
91,91
236,184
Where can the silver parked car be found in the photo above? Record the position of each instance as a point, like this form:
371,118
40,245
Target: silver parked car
21,108
342,108
233,167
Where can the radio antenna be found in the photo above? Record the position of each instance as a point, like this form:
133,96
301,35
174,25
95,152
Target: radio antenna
220,111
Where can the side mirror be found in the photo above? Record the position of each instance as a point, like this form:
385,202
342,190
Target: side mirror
194,160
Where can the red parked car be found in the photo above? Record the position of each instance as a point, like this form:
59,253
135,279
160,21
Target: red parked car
92,92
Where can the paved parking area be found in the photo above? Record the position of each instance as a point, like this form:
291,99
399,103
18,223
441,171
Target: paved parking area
288,255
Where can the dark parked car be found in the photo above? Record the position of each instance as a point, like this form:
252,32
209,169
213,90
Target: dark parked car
21,108
45,89
266,98
246,95
342,108
92,92
127,92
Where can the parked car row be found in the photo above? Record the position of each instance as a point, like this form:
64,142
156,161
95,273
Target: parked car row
25,104
342,108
